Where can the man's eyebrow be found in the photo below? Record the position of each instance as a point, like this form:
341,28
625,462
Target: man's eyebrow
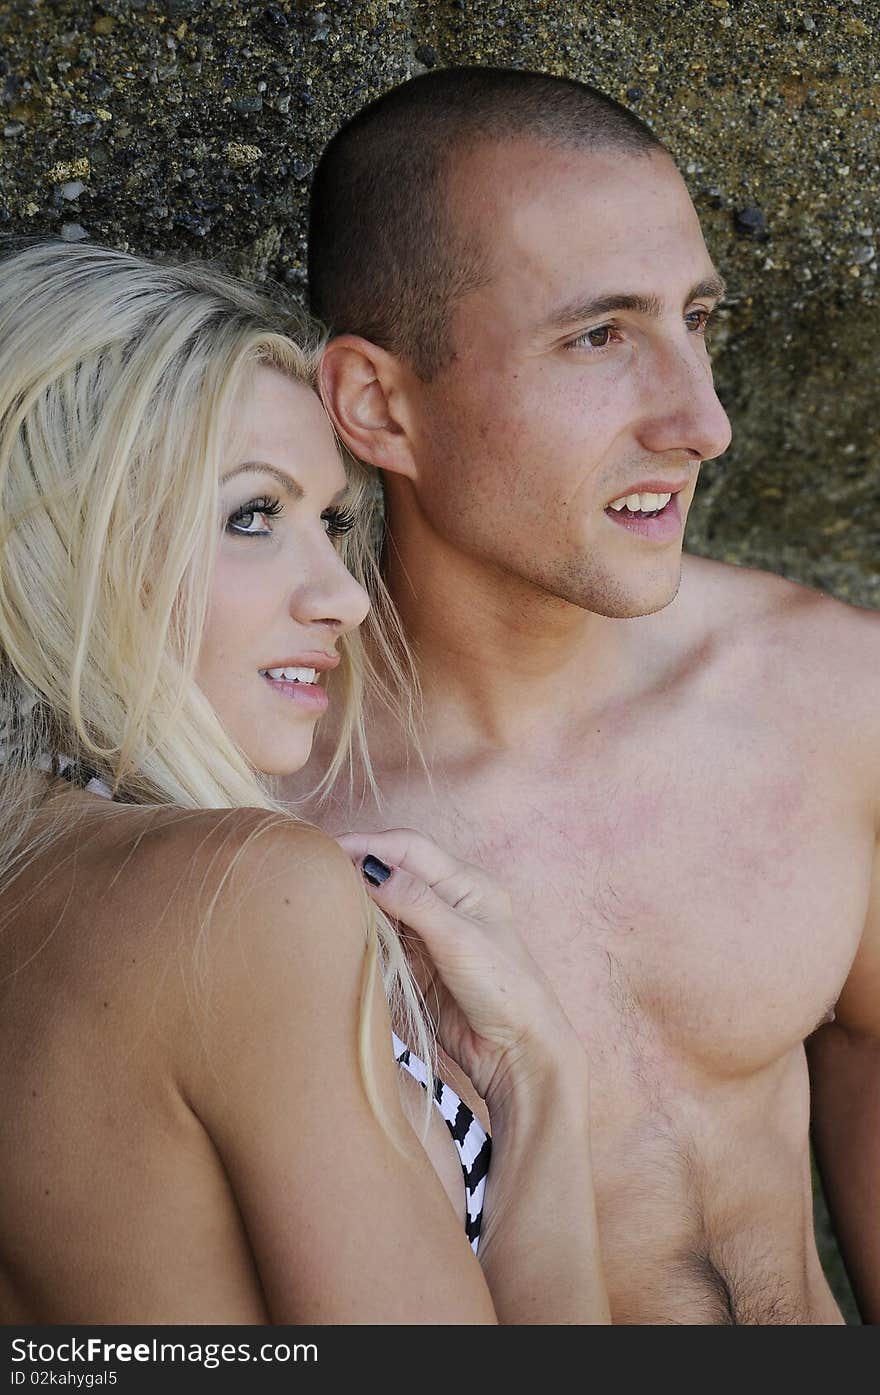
710,288
287,482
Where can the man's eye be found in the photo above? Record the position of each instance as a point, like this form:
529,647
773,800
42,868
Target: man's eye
243,520
698,321
598,338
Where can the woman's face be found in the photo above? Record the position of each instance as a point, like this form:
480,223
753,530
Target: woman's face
280,596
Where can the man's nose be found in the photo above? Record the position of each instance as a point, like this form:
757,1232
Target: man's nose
685,413
329,594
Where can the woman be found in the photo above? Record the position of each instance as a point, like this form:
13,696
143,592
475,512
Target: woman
204,1121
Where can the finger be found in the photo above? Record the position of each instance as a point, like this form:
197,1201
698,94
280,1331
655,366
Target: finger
406,848
462,885
445,934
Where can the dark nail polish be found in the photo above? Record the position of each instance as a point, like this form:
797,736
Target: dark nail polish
376,872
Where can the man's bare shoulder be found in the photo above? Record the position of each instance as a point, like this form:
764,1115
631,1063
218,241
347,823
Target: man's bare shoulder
748,591
800,639
737,593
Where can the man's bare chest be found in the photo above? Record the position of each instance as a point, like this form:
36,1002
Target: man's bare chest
698,904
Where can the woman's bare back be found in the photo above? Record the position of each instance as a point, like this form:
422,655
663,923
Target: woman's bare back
122,1203
116,1206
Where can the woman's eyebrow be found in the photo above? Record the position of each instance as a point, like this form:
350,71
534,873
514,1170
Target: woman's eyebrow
287,482
261,467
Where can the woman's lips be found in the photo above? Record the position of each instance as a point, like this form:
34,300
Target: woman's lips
310,696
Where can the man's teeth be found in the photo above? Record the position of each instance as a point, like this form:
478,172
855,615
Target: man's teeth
641,503
291,675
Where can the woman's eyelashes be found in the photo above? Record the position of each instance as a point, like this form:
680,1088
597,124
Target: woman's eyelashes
338,521
252,519
243,519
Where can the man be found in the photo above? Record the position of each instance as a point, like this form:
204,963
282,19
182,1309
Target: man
672,764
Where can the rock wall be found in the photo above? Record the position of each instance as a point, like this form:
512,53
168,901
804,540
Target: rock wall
191,128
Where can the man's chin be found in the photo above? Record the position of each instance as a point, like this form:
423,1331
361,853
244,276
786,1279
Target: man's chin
619,599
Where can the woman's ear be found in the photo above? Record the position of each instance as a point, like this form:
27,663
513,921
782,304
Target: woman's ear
362,388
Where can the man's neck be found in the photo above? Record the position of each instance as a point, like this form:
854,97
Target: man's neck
502,662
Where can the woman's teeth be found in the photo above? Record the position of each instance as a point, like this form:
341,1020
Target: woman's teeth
291,675
641,503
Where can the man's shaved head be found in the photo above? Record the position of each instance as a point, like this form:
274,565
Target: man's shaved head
388,258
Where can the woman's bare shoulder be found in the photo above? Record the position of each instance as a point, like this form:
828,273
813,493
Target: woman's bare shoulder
239,890
130,890
262,871
221,936
194,853
264,921
273,863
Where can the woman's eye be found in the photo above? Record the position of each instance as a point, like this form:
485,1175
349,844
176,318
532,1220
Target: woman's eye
338,521
243,521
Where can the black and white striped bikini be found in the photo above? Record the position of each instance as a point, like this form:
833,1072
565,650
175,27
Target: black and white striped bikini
472,1143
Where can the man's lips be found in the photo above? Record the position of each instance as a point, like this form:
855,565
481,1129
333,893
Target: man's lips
662,526
649,487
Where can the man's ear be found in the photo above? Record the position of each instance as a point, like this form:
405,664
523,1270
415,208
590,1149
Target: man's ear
363,390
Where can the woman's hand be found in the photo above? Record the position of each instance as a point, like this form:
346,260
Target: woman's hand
498,1017
495,1012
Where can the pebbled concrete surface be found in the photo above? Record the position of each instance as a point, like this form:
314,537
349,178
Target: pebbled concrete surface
191,128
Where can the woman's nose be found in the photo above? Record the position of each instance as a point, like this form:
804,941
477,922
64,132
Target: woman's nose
330,595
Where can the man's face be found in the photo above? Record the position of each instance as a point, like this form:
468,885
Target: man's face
556,406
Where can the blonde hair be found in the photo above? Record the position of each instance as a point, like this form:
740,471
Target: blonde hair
118,382
385,664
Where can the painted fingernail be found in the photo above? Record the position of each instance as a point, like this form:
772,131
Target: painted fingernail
376,872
